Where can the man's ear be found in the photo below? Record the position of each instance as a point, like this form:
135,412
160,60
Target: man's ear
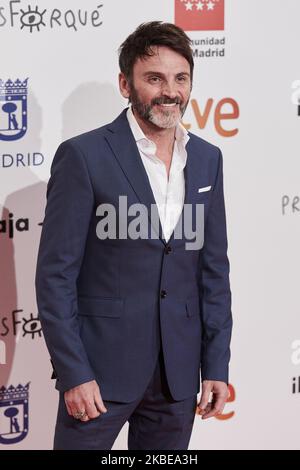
124,86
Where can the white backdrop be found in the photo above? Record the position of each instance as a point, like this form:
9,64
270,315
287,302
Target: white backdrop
72,87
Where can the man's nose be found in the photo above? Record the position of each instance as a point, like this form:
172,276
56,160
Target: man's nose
169,89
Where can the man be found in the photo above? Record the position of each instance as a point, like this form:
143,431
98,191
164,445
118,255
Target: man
129,321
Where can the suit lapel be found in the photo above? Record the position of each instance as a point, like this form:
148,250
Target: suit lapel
123,145
124,148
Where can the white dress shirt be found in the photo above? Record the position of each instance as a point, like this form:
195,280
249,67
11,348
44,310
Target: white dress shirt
169,192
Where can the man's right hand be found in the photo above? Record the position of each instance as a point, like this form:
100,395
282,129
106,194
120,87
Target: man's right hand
85,398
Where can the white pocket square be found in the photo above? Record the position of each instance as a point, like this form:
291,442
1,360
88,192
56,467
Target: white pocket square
205,188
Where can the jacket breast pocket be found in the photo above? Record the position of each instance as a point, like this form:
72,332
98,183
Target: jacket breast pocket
100,306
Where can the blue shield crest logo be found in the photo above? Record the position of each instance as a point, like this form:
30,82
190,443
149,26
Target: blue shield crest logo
13,109
13,413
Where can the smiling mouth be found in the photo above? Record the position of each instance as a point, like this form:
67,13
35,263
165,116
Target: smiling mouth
172,105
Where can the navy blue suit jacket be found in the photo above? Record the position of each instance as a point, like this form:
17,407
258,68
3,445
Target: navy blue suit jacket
100,301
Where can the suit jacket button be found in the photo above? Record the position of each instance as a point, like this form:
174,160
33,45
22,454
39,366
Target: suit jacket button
163,294
168,249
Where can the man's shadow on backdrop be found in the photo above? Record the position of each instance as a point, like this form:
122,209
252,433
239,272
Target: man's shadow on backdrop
89,106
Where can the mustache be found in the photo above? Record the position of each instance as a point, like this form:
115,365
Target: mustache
164,100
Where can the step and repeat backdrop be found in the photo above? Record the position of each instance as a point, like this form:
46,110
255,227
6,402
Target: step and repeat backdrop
58,78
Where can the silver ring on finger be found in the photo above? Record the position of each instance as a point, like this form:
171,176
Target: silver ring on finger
80,414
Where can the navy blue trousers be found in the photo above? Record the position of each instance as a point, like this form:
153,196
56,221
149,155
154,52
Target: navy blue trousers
156,421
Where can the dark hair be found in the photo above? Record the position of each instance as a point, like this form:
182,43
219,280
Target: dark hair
155,33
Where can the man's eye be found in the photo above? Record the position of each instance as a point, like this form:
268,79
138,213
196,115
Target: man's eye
154,79
181,79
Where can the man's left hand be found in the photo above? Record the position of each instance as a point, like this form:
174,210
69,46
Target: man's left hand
220,394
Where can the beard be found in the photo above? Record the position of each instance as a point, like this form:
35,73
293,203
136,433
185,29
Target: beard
163,118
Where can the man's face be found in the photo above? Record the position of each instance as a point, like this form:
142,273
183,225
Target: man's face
161,87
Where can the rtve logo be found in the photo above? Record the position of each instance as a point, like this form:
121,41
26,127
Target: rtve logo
223,110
